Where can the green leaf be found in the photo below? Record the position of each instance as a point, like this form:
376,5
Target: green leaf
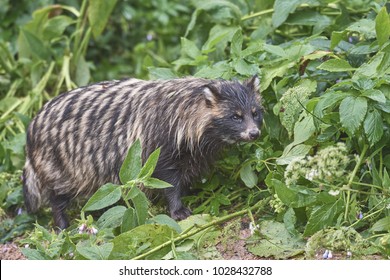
29,45
375,94
382,26
141,239
336,38
382,225
56,26
294,197
93,251
352,112
34,254
373,126
236,46
323,216
336,65
161,73
292,152
275,241
248,176
150,164
141,204
82,72
112,218
154,183
105,196
189,48
99,12
132,164
304,128
244,68
129,220
165,220
282,9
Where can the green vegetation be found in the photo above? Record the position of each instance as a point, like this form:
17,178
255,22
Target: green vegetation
317,179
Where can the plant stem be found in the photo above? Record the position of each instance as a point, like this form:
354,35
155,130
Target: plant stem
257,14
355,170
257,206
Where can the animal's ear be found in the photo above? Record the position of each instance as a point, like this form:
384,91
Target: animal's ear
253,84
211,94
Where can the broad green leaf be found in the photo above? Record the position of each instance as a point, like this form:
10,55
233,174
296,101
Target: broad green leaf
294,197
323,216
382,225
352,112
165,220
336,38
112,218
275,241
154,183
382,26
328,101
29,45
364,26
375,94
244,68
132,164
140,203
34,254
373,126
189,48
56,26
140,240
336,65
150,164
304,128
215,71
248,176
270,72
161,73
99,12
93,251
282,9
292,152
105,196
129,220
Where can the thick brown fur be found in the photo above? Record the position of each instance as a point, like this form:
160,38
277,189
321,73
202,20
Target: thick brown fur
78,141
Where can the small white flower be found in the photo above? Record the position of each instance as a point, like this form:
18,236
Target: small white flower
253,227
82,228
330,255
349,254
325,255
94,231
334,192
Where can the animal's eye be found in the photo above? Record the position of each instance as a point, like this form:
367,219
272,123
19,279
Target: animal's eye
237,117
255,114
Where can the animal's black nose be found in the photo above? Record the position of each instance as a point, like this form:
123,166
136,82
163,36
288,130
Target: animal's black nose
254,134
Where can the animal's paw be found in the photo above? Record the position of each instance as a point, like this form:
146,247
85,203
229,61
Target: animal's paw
181,213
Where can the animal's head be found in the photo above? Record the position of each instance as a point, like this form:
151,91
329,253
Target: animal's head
237,112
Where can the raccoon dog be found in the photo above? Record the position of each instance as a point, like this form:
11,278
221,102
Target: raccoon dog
78,140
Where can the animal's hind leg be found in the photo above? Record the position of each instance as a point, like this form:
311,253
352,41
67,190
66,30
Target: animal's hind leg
176,208
58,205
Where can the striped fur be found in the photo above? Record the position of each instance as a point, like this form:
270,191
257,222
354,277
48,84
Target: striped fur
78,141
